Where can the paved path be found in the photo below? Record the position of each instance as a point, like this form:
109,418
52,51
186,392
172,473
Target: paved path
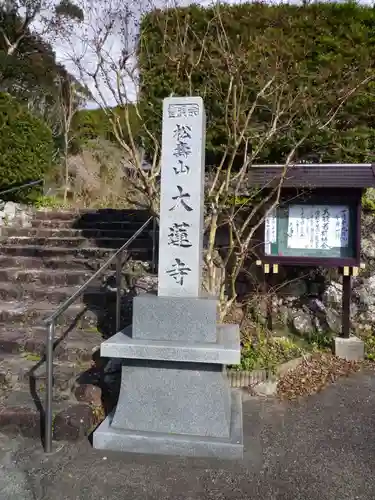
321,449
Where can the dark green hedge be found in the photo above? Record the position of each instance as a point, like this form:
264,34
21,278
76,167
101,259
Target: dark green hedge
26,146
91,124
318,54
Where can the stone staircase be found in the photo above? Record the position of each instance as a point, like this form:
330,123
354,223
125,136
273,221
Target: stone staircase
41,266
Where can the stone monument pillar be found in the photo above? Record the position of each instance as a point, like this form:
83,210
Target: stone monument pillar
175,397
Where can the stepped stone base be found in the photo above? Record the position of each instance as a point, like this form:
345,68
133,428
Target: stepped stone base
106,437
225,351
186,319
178,398
175,398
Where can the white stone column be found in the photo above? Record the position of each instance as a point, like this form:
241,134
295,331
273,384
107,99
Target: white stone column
182,197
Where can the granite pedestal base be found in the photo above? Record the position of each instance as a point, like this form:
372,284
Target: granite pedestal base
224,351
177,398
108,438
185,319
174,397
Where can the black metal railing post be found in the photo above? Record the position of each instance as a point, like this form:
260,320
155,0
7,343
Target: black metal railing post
48,430
118,291
153,261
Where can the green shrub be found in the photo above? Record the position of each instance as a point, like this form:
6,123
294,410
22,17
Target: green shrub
320,341
368,200
317,54
267,353
41,202
370,348
26,147
91,124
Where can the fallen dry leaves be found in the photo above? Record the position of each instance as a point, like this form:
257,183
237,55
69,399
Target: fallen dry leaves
313,374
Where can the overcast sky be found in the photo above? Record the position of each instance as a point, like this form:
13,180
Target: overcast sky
77,46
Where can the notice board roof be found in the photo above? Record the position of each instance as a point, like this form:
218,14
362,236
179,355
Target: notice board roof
314,175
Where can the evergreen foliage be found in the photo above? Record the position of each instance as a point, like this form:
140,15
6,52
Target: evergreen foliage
91,124
320,58
26,146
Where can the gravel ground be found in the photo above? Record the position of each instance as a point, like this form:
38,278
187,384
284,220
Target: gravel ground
318,448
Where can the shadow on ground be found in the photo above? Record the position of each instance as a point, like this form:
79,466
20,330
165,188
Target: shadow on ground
321,448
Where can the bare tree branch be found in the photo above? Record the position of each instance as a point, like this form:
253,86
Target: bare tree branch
279,97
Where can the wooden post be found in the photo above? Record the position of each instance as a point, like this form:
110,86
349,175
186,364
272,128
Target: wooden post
269,306
346,298
268,269
267,288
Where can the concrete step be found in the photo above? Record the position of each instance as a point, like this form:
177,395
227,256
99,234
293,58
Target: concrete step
22,414
23,393
51,263
102,295
74,346
90,234
28,292
34,313
62,277
124,225
25,369
22,411
80,315
65,262
40,251
59,214
59,277
75,242
107,214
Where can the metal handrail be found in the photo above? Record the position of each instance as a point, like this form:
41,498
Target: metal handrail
51,320
27,184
